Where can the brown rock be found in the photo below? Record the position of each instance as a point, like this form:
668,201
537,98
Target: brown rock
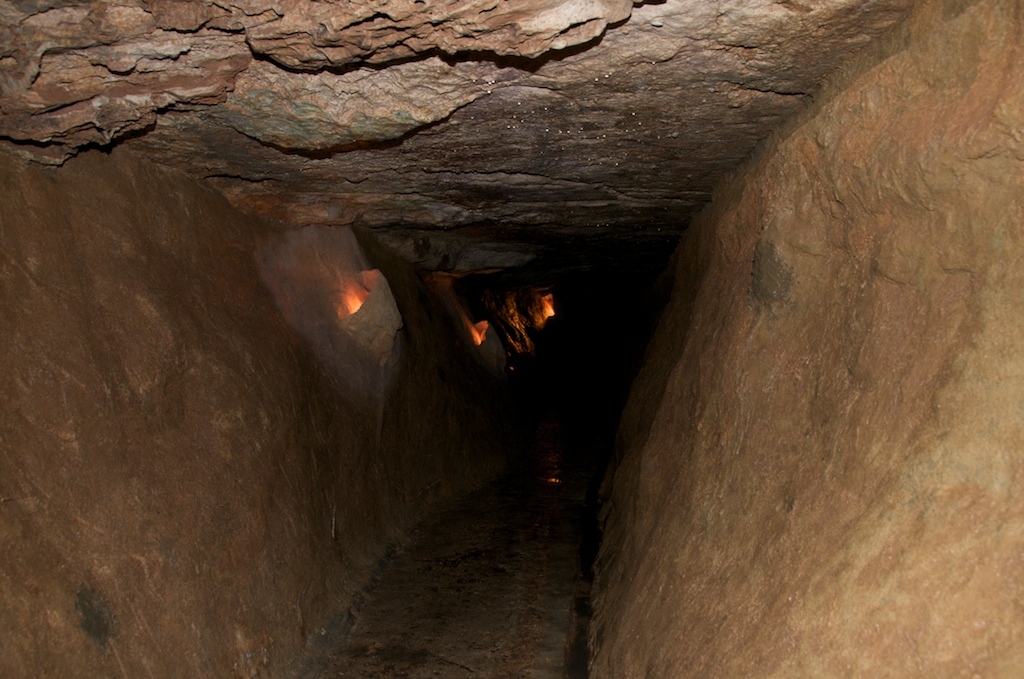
474,113
184,490
75,75
324,111
821,474
309,36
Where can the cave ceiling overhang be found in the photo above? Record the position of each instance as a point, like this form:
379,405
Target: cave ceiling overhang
470,135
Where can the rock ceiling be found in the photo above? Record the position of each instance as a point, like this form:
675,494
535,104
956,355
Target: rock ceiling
471,134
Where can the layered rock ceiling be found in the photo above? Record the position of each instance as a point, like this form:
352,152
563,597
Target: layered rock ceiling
471,134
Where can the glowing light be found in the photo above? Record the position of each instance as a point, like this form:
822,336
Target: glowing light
548,302
351,299
478,332
553,481
353,292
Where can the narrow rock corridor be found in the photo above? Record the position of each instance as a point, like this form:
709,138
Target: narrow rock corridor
483,588
524,339
497,583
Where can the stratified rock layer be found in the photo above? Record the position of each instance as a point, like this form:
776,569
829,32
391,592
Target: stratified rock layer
74,74
821,472
546,125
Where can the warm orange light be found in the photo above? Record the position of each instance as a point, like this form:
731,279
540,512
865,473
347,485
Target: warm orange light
478,332
548,301
353,292
351,299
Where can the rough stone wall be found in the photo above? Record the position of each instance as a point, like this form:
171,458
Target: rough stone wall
182,491
821,470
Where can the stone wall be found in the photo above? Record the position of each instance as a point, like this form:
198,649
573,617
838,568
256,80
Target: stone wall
183,489
820,471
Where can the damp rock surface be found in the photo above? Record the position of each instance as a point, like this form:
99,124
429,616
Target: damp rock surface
484,587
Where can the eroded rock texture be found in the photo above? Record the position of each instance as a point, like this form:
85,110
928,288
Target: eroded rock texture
535,126
78,73
184,490
822,473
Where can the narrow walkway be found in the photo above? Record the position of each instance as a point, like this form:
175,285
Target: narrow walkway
484,588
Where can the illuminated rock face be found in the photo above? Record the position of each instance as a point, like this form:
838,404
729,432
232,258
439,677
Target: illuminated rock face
375,325
328,292
822,470
476,335
523,143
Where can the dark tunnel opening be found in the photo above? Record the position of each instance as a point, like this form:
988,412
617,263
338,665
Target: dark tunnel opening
569,375
544,363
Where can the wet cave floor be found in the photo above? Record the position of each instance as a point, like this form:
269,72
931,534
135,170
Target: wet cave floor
485,587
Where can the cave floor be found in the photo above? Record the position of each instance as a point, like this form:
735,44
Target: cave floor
483,588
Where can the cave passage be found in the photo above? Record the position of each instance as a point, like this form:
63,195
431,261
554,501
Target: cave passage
266,411
484,587
496,583
304,459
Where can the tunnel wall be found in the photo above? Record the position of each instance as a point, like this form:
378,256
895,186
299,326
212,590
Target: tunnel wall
183,489
820,469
